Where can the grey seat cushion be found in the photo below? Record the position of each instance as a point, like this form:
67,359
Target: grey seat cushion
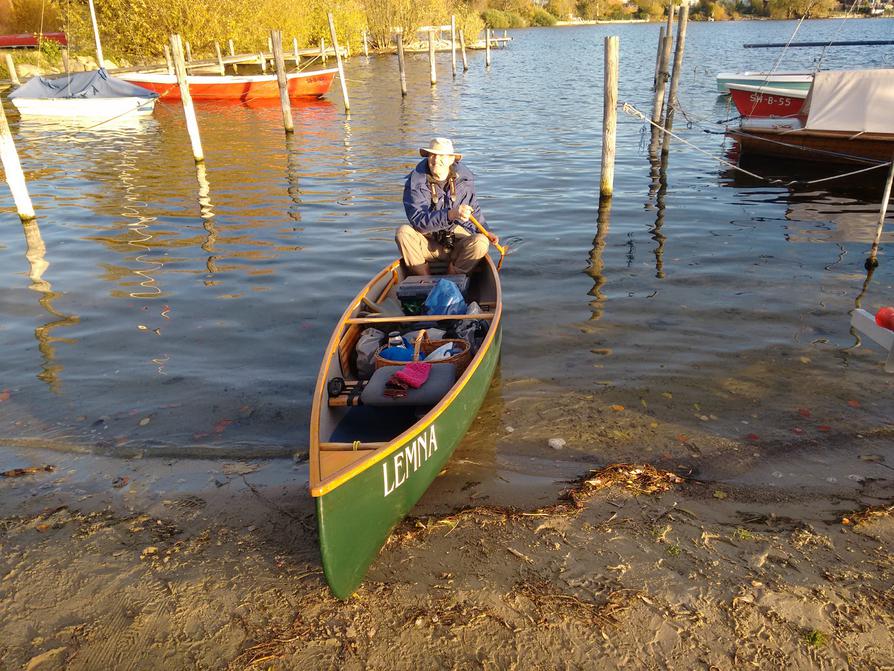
440,379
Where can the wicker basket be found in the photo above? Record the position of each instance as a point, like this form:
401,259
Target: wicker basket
425,346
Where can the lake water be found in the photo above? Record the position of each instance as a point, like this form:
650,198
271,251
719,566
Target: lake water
173,313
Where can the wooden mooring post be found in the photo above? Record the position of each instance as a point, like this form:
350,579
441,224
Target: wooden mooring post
453,43
609,116
232,50
341,68
462,47
263,59
189,111
400,64
675,77
295,52
220,63
13,169
365,44
168,62
663,68
323,50
280,62
13,75
872,261
658,53
431,57
487,47
188,52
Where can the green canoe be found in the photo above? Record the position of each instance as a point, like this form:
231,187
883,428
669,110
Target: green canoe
370,463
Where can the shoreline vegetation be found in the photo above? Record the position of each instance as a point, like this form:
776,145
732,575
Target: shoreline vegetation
136,32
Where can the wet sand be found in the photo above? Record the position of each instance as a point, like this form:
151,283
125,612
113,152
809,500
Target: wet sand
149,563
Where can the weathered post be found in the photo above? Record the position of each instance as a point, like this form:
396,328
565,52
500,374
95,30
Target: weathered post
431,57
263,59
872,261
323,50
100,62
453,43
658,53
663,67
462,45
168,62
232,49
13,75
365,44
295,52
189,112
341,69
675,78
220,63
188,52
609,116
269,45
487,47
400,64
280,62
13,169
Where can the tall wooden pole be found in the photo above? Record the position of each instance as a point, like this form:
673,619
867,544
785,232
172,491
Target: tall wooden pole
658,52
220,63
462,46
431,57
100,62
168,62
13,169
341,69
13,75
453,43
400,64
487,47
366,44
609,115
872,261
280,62
663,68
675,78
189,112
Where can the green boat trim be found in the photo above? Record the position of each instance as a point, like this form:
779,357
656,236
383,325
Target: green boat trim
363,490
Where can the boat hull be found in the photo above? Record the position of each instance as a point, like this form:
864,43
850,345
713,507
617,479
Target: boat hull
84,108
356,518
820,146
251,87
756,101
799,81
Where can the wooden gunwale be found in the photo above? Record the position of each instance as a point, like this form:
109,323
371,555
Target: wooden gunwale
338,478
487,316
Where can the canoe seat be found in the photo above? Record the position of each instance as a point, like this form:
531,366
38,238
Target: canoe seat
440,380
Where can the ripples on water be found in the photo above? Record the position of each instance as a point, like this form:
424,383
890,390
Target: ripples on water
202,301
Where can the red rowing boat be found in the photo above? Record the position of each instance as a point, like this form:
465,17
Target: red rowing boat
311,84
30,40
766,101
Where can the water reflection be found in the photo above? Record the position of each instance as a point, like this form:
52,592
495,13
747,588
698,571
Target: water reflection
596,267
35,253
658,191
206,212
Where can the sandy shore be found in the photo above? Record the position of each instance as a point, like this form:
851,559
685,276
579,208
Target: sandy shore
200,564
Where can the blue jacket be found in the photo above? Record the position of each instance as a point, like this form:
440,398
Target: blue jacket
427,216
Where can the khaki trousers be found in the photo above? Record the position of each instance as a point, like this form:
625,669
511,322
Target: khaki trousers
417,248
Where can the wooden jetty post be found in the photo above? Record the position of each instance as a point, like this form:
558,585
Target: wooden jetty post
168,62
232,49
341,68
220,63
269,45
323,50
280,62
675,78
13,75
658,52
13,169
431,57
462,46
872,261
400,64
365,44
609,116
99,59
263,59
295,52
189,112
188,52
663,67
453,43
487,47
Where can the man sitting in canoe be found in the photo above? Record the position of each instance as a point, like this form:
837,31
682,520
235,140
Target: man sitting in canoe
439,198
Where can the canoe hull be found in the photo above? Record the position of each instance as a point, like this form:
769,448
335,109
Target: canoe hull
356,518
251,87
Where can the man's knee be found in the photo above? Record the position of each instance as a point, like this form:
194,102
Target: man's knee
405,233
479,245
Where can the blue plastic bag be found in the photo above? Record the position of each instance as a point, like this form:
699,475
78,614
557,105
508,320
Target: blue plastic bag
445,299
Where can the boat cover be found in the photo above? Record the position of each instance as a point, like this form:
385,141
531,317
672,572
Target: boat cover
851,101
96,84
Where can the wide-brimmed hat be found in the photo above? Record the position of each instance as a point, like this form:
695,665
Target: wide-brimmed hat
440,146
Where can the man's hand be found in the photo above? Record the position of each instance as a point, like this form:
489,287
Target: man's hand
494,239
461,213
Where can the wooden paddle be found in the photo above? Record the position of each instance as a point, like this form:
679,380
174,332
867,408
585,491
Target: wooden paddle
490,236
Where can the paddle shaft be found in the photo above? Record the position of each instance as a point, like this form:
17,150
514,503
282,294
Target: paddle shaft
500,248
